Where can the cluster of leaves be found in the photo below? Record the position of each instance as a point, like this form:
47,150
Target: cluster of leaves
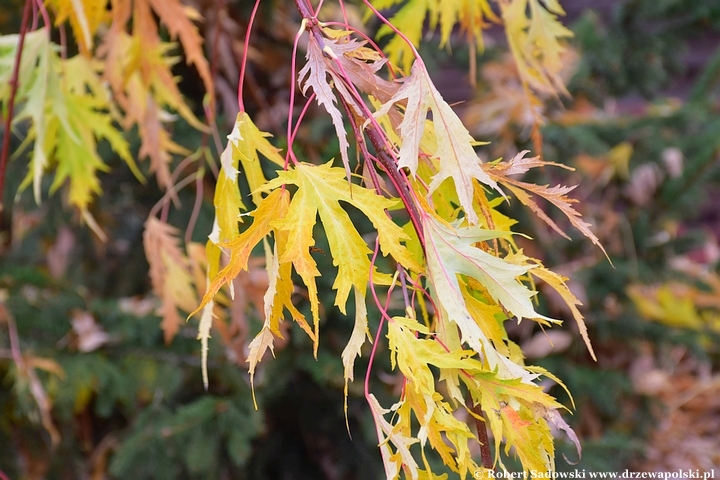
69,105
456,261
455,276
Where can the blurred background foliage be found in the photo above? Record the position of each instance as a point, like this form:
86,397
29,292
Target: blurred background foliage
642,131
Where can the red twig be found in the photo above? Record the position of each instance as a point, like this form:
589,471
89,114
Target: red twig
344,11
481,425
383,316
44,13
394,29
241,104
11,102
308,14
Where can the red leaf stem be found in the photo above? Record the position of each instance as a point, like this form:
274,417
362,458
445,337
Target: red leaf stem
11,102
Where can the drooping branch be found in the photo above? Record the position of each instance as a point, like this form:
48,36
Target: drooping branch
376,136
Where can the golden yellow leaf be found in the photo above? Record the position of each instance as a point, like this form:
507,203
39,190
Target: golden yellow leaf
535,42
272,207
320,189
249,142
387,434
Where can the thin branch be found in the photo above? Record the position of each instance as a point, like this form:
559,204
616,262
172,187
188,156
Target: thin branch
397,32
173,188
245,55
290,155
383,316
45,15
11,102
481,425
398,179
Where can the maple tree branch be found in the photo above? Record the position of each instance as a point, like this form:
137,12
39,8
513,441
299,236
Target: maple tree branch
44,14
173,187
398,180
11,101
376,137
481,425
308,15
15,350
344,11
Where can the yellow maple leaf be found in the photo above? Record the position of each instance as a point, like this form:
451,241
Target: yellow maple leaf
557,283
227,201
667,304
276,298
320,189
531,438
357,339
387,434
510,406
204,335
244,143
473,16
409,20
272,207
